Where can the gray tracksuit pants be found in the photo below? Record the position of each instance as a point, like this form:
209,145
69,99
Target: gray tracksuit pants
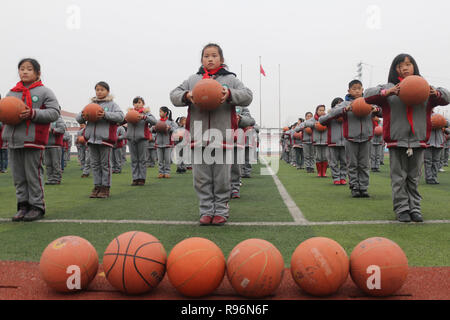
338,164
320,153
375,156
81,155
308,152
357,157
246,168
101,164
212,184
117,161
299,158
236,172
52,161
27,173
432,163
405,177
87,162
152,157
164,159
138,154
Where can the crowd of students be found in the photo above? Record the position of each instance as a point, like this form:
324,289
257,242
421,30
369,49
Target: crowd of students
337,139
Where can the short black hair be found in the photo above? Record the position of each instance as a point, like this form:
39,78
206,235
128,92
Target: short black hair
137,99
308,113
103,84
34,63
336,101
353,82
393,74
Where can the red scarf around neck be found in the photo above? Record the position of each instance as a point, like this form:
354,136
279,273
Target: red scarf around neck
210,73
164,119
26,95
409,112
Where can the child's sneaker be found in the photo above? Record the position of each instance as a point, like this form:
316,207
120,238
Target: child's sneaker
416,217
356,193
404,217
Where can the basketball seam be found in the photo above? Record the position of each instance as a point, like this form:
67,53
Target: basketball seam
135,266
124,260
115,260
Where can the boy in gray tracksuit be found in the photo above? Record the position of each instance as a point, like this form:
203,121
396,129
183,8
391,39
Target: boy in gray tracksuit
212,181
53,152
308,147
358,131
101,137
298,148
164,145
336,145
245,120
137,137
432,157
117,150
26,143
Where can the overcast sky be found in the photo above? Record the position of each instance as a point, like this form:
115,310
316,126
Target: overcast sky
147,48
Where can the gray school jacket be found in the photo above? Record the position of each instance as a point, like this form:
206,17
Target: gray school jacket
56,134
246,123
307,138
103,131
319,138
397,131
437,138
221,119
141,130
121,136
164,140
33,133
335,132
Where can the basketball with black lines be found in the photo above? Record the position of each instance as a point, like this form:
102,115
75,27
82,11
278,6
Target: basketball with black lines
135,262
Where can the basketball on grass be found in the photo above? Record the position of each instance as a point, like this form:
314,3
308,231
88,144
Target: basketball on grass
134,262
69,264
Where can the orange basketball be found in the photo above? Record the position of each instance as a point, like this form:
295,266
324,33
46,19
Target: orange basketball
10,109
320,127
90,112
308,131
285,129
438,121
255,268
319,266
132,116
161,126
207,94
298,135
81,140
196,267
69,264
360,108
414,90
378,131
134,262
378,266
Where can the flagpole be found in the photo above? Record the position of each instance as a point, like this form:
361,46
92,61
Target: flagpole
260,101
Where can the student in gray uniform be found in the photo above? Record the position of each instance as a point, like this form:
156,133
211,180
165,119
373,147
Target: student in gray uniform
137,137
27,140
251,150
336,145
117,161
405,135
101,137
298,147
375,154
432,157
65,149
178,137
164,142
308,147
53,152
358,131
212,180
152,156
3,151
244,120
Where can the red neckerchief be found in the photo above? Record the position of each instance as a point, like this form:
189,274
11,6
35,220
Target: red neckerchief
409,112
26,95
141,110
164,119
210,73
316,116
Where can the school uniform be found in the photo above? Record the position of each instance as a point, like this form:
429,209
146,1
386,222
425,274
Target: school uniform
336,148
375,152
319,140
308,147
65,149
298,151
137,137
212,181
432,157
53,152
406,130
101,137
164,145
178,138
152,156
26,145
117,150
3,151
251,147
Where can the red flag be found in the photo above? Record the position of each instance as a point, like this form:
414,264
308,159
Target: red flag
262,70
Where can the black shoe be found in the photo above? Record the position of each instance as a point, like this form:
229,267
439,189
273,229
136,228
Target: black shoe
404,217
416,217
21,212
364,194
356,193
33,214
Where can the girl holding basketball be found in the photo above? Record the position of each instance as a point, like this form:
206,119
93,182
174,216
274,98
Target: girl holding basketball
101,137
405,130
212,180
27,140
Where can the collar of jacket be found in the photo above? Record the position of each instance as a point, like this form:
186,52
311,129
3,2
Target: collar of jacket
108,98
349,97
221,72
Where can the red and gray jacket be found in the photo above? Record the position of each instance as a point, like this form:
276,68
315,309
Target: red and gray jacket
399,130
141,130
34,132
335,132
319,138
56,134
104,131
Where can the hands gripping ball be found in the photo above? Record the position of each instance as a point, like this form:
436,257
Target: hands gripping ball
68,264
207,94
319,266
196,267
255,268
10,109
414,90
132,116
134,262
378,266
91,111
360,108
